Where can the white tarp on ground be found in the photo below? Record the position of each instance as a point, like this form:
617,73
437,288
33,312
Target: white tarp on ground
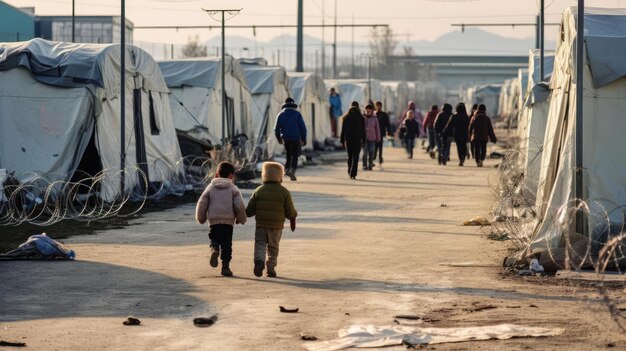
603,127
269,86
366,336
54,96
196,99
309,93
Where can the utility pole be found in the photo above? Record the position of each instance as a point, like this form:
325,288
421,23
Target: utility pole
335,44
299,45
323,42
352,73
369,75
123,99
73,22
232,13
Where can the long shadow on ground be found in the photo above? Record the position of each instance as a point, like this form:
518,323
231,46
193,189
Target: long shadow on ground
57,289
347,284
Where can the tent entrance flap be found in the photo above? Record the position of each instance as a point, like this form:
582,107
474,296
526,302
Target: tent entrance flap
89,166
140,142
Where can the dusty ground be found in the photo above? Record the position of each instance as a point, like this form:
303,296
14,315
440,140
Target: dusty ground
363,252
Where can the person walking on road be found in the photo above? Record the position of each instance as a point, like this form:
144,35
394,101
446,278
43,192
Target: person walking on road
471,116
458,127
481,132
443,140
384,125
353,137
372,137
412,131
334,100
222,205
290,131
429,128
270,204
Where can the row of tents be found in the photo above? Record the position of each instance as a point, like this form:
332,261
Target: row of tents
60,110
547,130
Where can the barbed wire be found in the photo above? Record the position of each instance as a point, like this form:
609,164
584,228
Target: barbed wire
45,199
553,236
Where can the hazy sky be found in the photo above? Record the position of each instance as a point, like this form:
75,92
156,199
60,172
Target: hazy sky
414,19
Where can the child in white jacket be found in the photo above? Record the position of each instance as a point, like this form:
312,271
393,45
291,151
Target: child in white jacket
222,204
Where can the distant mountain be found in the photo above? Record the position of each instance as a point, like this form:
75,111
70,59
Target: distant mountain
473,41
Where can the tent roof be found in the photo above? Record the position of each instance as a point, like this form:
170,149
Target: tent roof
301,83
605,37
263,79
198,72
79,65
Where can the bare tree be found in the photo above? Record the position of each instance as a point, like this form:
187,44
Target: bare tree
383,45
193,48
407,50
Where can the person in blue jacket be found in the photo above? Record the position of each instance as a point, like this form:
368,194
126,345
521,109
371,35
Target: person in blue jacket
290,131
334,99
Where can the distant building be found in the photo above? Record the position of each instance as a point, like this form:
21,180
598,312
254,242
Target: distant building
89,29
16,24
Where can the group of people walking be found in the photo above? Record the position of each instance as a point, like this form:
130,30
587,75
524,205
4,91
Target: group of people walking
443,126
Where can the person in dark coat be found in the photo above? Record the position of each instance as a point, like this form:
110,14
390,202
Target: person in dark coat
412,132
383,124
481,132
443,140
290,130
353,137
458,127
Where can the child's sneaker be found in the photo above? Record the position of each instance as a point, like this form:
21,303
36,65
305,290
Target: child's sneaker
258,268
271,272
215,253
226,269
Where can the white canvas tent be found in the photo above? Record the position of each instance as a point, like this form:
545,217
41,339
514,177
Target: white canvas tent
60,111
309,93
488,94
196,97
603,128
533,118
269,86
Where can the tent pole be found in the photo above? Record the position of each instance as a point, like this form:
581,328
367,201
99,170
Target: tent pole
223,81
542,29
122,97
580,42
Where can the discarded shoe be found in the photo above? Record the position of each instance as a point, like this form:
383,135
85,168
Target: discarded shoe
203,322
258,268
131,321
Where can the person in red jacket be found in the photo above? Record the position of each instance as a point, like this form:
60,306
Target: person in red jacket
429,128
481,132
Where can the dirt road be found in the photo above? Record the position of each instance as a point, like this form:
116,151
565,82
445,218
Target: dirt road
363,252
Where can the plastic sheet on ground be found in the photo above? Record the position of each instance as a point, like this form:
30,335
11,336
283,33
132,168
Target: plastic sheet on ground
40,247
364,336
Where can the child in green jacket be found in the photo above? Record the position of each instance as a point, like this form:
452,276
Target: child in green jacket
271,203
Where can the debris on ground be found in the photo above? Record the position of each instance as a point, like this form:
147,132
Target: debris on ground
373,336
443,205
496,155
12,344
307,337
288,310
480,308
498,236
481,221
40,247
203,322
131,321
408,316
